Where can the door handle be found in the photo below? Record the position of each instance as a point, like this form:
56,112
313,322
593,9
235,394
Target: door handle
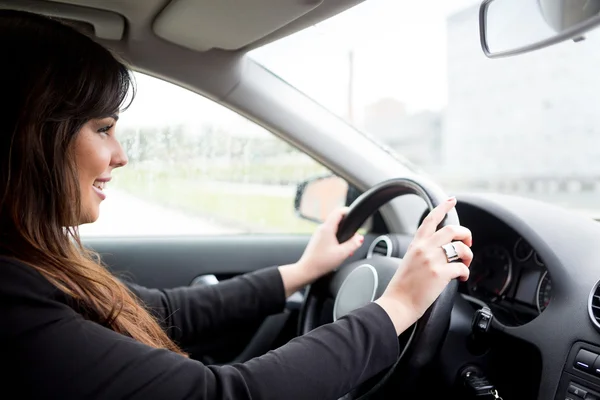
208,279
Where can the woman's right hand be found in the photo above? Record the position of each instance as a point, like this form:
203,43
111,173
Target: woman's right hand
425,270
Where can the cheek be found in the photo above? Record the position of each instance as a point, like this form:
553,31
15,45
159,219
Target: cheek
101,161
92,159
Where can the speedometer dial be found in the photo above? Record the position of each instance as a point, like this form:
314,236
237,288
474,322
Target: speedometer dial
544,292
491,272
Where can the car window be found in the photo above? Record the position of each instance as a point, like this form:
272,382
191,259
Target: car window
196,167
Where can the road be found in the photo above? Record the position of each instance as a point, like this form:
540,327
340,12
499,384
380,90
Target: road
124,215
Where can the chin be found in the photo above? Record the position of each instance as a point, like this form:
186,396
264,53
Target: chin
89,217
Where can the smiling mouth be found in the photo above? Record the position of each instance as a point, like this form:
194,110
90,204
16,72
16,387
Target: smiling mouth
99,185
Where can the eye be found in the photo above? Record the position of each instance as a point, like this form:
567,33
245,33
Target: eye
105,129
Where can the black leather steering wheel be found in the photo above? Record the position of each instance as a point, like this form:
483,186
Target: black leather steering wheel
359,282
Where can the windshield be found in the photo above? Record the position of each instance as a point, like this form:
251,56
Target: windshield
412,75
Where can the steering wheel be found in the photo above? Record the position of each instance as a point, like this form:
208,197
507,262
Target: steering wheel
360,282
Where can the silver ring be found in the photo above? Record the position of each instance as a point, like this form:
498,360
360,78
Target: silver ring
451,253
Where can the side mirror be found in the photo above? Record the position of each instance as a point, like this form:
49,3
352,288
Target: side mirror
511,27
316,198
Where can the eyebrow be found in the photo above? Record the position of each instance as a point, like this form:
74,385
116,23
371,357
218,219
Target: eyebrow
113,116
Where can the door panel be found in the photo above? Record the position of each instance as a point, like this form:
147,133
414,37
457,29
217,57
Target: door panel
176,261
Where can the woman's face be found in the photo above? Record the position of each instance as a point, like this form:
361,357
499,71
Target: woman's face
97,153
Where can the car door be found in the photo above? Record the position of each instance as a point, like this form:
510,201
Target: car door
206,195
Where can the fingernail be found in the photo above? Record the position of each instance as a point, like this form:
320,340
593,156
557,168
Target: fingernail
451,198
361,239
351,254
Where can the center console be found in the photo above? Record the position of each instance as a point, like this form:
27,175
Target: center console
581,377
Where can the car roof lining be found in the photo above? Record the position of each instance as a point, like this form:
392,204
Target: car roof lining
198,25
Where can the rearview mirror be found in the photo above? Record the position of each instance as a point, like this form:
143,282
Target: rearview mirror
511,27
316,198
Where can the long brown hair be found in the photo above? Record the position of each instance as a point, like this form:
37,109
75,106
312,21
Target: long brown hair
54,79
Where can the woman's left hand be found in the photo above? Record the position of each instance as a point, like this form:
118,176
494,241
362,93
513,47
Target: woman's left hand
322,254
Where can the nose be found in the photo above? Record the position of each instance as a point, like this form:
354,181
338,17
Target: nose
119,157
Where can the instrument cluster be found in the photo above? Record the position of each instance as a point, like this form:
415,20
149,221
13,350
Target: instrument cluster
511,278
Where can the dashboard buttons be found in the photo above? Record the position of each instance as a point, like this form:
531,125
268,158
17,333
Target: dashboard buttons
585,360
596,367
577,391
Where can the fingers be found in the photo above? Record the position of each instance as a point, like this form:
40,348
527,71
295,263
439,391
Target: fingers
464,253
450,233
352,244
334,218
435,217
458,270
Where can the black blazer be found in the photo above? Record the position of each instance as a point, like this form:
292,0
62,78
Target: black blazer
49,350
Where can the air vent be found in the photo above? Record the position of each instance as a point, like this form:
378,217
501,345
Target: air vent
381,246
594,305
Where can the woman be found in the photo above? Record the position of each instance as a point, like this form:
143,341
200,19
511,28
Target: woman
72,330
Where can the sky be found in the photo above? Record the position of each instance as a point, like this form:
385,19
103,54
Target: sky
399,51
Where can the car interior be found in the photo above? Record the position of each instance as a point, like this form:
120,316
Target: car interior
526,324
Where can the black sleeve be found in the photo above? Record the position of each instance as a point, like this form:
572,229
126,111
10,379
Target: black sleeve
190,313
58,354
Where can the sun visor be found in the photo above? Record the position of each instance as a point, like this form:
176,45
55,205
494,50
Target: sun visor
226,24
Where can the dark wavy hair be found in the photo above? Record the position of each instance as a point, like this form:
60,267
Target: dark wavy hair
54,79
